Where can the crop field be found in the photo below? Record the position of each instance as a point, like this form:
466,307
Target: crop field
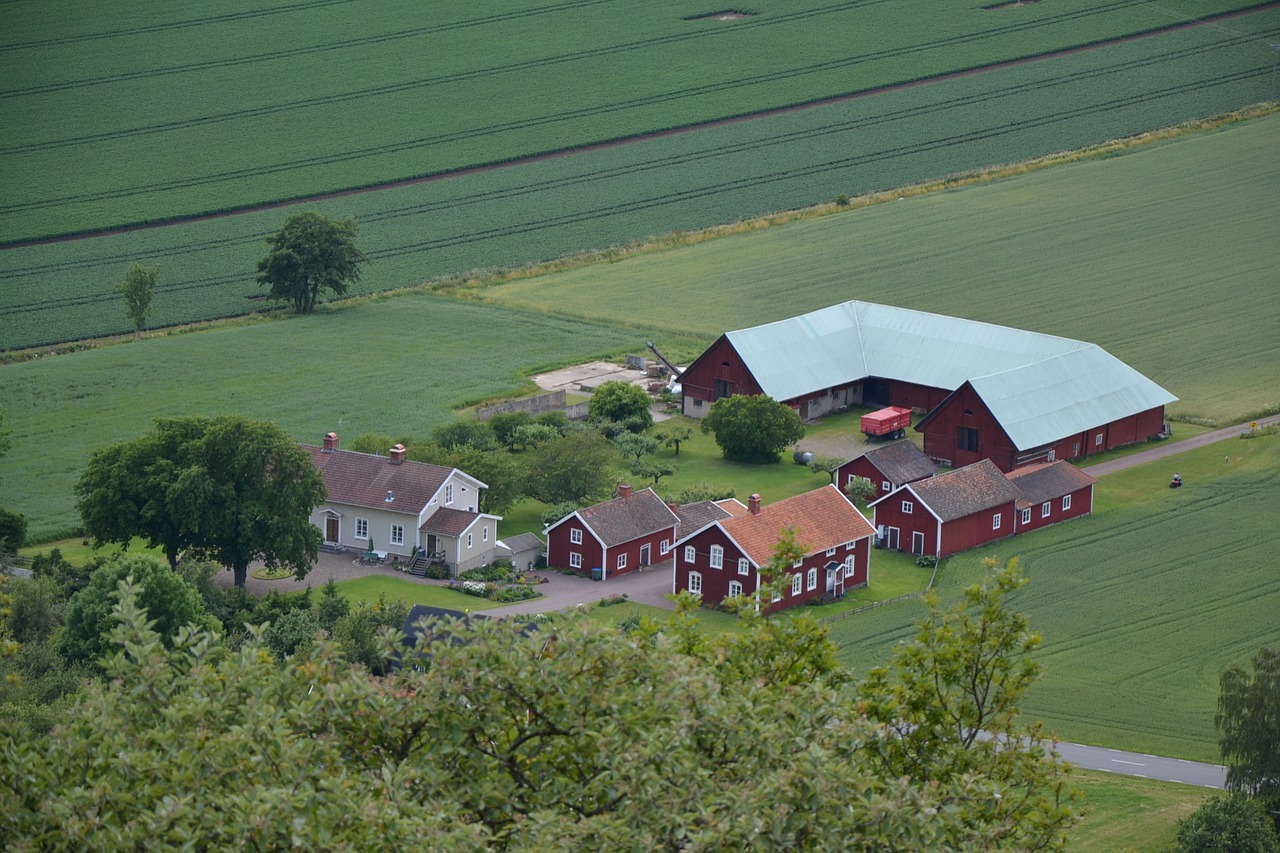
1176,276
137,113
1141,606
394,367
545,209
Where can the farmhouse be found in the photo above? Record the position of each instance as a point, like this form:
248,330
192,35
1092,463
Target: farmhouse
888,467
402,508
630,532
1053,492
727,557
991,392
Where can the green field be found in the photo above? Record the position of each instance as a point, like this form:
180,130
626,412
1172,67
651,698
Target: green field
137,113
1128,813
539,210
1141,605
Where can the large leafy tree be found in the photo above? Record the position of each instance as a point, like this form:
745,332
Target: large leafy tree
226,489
310,254
574,467
752,428
1248,722
138,289
1233,823
621,402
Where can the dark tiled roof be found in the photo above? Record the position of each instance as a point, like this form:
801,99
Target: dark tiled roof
902,462
449,522
363,479
694,517
1048,481
822,519
623,519
523,542
966,490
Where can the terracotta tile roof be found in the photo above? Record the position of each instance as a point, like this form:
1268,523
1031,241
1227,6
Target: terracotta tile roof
625,518
1049,481
363,479
449,522
822,519
733,506
902,462
695,516
966,490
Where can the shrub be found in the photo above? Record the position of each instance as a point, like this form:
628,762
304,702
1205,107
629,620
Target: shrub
927,562
616,598
437,571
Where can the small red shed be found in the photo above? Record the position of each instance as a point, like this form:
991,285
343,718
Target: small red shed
1051,492
888,467
951,512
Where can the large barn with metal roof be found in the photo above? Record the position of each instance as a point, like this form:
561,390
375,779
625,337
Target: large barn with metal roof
991,392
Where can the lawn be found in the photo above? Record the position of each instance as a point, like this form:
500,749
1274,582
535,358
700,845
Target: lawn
375,588
1129,813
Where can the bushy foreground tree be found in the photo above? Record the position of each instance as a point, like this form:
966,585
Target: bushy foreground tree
1233,823
752,428
572,737
310,254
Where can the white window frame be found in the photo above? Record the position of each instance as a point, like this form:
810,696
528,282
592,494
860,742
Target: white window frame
448,494
744,566
396,536
1097,440
690,554
362,528
848,566
695,583
575,560
831,552
850,545
1066,502
717,557
470,537
797,584
1026,515
813,579
995,521
484,533
795,564
907,506
886,486
735,589
575,535
622,560
1046,508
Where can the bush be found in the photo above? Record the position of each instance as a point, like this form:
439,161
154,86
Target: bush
1231,823
927,562
437,572
616,598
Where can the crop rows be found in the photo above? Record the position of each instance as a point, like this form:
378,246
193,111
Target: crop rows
598,198
213,124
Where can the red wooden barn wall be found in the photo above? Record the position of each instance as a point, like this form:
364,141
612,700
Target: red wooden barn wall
559,546
1081,504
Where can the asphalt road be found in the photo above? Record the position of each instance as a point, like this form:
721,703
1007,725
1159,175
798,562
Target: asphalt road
1147,766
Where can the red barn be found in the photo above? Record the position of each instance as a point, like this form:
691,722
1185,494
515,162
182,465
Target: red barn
951,512
888,467
1012,396
1052,492
617,536
725,558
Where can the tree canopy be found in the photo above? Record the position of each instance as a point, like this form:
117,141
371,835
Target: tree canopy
310,254
752,428
1229,824
1248,722
138,289
621,402
226,489
574,467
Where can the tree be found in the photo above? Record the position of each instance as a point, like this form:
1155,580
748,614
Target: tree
574,467
554,513
226,489
652,469
621,402
138,288
501,472
636,445
169,601
1248,723
531,435
467,432
829,465
1229,824
752,428
860,490
505,424
674,437
311,253
13,531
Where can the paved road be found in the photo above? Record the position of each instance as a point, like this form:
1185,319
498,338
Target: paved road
1147,766
1173,448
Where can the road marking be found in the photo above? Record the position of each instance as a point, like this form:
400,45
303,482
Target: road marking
1134,763
1179,781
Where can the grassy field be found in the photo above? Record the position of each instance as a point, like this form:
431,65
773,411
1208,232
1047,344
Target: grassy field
375,588
599,198
1141,605
136,114
1128,813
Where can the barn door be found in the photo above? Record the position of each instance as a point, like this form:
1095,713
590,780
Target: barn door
891,538
917,543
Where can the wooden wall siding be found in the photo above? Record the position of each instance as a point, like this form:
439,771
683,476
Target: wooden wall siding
974,530
919,520
699,380
632,550
559,547
912,396
940,433
1081,504
958,535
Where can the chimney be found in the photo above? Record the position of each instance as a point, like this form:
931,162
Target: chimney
397,454
674,507
330,442
624,491
391,496
753,504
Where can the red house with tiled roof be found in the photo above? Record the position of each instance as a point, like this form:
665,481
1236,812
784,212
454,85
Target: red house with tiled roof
634,530
1052,492
888,467
401,508
727,557
948,513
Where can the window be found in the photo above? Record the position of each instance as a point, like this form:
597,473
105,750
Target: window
831,552
362,528
448,493
1066,502
397,534
906,507
735,589
469,538
666,545
849,546
622,560
1026,516
966,438
995,521
575,560
697,404
744,566
575,536
813,579
848,566
1097,441
1046,508
797,584
886,486
690,554
1075,448
717,557
484,533
796,564
695,583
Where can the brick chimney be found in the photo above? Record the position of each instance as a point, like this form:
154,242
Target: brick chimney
397,454
753,504
624,490
330,442
674,507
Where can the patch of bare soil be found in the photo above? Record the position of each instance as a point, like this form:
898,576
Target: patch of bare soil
722,15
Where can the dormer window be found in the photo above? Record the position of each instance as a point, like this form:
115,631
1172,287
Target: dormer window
391,496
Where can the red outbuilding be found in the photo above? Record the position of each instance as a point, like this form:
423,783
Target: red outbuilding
727,557
1052,492
888,467
951,512
631,531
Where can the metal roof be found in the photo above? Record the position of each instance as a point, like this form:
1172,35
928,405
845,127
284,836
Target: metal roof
1041,387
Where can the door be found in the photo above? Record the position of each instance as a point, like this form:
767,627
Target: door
330,529
644,556
891,538
917,543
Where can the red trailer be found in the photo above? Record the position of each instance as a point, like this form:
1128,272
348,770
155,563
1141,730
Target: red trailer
889,422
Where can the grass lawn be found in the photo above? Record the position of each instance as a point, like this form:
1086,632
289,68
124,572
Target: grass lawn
374,588
1130,813
78,551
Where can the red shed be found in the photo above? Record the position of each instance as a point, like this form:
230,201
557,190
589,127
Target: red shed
888,467
951,512
1051,492
617,536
